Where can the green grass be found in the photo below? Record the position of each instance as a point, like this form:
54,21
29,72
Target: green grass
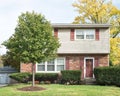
62,90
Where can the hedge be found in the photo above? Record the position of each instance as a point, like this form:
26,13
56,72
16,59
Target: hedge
107,75
25,77
21,77
71,76
52,77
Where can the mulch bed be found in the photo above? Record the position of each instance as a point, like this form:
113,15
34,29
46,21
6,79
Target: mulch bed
31,88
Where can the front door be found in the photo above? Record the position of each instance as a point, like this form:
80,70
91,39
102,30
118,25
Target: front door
89,66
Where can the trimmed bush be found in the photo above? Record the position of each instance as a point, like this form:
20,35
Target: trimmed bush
21,77
107,75
25,77
71,77
52,77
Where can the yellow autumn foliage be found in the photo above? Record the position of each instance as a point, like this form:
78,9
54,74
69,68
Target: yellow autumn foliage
115,50
93,11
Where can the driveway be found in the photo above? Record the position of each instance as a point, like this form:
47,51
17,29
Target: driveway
3,85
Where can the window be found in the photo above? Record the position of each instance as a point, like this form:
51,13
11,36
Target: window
85,34
60,64
41,66
51,66
79,35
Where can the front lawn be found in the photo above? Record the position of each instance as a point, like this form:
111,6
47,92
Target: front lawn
62,90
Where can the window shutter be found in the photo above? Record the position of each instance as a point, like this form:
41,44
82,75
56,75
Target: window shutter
67,63
56,32
97,34
72,34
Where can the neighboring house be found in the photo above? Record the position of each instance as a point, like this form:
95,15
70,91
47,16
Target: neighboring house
83,47
4,74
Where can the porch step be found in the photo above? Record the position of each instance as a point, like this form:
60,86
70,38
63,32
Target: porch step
89,81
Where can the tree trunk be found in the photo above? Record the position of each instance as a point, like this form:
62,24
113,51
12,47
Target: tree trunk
33,74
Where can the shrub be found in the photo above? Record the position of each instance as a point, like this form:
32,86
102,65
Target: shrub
21,77
25,77
107,75
46,77
71,76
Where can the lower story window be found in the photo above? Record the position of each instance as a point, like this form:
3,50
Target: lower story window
41,67
51,66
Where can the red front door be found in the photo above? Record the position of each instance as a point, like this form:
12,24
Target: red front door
89,67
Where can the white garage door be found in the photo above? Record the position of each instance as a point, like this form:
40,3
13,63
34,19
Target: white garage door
4,78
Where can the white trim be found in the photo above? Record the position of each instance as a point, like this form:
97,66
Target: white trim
85,65
55,71
70,25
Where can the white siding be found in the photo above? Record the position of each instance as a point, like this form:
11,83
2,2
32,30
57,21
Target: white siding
64,35
83,46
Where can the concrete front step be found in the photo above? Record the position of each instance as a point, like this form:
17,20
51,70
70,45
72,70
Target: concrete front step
89,81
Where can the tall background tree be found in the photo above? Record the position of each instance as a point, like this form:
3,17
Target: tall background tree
1,62
101,12
33,40
9,60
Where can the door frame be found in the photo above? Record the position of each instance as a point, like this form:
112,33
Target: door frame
85,65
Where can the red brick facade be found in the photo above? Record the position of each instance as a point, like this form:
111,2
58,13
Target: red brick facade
26,67
76,62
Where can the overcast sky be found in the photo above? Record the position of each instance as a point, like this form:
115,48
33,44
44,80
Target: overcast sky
56,11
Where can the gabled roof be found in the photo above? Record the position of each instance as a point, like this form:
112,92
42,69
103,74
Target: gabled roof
69,25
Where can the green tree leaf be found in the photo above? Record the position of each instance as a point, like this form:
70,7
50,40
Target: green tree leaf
33,40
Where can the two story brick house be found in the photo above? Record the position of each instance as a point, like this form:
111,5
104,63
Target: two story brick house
83,47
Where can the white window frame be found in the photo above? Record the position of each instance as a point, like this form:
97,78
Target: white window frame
55,71
85,31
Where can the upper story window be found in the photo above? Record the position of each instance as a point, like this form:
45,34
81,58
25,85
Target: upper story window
51,66
85,34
